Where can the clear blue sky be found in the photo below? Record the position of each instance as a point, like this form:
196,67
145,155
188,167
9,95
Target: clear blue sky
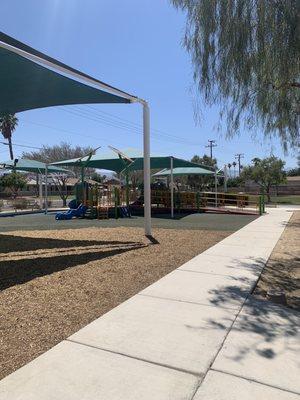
136,46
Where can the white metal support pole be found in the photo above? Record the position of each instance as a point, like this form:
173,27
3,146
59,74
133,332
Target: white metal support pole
147,187
46,189
172,187
41,190
216,188
225,178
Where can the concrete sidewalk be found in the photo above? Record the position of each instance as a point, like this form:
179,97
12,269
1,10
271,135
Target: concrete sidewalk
194,334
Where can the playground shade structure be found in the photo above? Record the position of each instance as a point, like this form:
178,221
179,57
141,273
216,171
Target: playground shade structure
29,79
179,171
118,164
26,85
108,161
31,166
165,162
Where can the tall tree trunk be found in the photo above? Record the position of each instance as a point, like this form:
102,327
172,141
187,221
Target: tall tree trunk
10,148
268,195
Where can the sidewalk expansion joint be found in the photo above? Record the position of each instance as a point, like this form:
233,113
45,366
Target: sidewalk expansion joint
187,302
255,381
225,337
243,246
208,273
185,371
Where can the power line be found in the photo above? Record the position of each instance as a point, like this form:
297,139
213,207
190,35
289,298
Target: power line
139,126
115,121
65,131
128,125
153,130
212,143
108,119
22,145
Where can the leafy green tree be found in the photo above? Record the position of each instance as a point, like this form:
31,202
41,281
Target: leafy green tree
14,182
59,152
267,173
235,182
8,124
293,172
246,57
205,160
98,177
202,182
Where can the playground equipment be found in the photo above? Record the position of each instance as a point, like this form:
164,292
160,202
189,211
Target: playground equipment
231,203
110,202
101,202
78,212
125,164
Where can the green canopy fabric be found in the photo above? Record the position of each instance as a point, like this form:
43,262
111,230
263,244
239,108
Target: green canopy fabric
25,85
116,164
164,162
109,161
185,171
24,47
31,166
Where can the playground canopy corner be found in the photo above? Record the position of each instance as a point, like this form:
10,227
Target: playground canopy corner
29,79
34,166
108,161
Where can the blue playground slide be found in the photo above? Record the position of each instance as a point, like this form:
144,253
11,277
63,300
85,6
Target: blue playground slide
73,212
124,212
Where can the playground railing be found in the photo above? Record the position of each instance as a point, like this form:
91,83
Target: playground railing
185,200
208,200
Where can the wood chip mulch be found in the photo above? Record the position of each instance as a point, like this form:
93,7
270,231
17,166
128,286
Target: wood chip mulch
283,267
52,283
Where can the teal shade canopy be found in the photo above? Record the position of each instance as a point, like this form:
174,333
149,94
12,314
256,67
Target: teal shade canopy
185,171
29,79
164,162
109,161
114,163
31,166
25,85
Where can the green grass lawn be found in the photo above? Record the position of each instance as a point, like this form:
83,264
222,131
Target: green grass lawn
293,199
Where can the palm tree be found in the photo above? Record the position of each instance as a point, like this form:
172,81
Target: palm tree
8,123
234,165
229,166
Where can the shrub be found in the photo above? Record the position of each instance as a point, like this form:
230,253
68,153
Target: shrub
20,204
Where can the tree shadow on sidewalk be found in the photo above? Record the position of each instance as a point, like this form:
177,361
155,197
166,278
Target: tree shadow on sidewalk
264,323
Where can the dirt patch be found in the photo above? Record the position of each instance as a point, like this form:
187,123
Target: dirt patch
55,282
283,268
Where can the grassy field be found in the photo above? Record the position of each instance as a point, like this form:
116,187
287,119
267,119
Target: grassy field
293,199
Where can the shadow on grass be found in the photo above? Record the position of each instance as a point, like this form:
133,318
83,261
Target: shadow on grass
15,272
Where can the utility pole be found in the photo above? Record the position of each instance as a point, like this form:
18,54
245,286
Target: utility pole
212,143
238,157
